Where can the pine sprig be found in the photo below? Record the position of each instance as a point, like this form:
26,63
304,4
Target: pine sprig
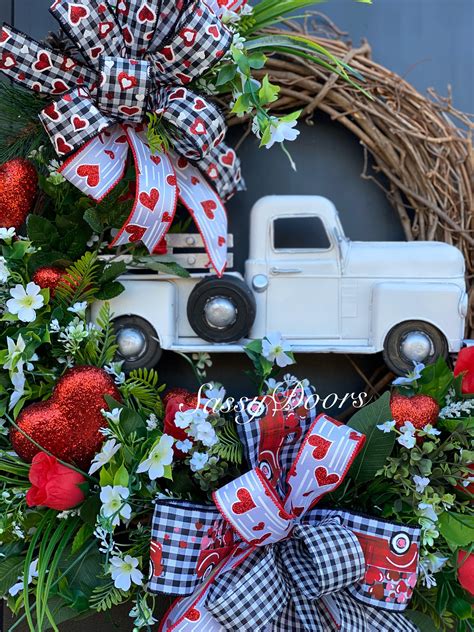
80,282
229,446
106,596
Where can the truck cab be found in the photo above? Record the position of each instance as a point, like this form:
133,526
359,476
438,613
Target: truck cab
307,280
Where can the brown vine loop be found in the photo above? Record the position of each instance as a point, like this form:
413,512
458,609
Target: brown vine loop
421,144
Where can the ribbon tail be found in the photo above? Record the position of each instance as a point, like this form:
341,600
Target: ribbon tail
156,194
207,210
222,167
99,165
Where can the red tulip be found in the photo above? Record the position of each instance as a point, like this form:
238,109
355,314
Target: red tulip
53,484
465,364
466,570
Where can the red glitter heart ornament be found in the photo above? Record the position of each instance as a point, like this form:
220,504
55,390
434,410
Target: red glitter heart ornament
421,410
48,277
245,502
18,186
323,478
67,425
321,446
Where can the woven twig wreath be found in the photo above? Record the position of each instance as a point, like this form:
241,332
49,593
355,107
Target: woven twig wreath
421,145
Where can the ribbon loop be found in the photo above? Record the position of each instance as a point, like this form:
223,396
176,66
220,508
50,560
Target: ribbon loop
73,120
198,42
95,33
233,597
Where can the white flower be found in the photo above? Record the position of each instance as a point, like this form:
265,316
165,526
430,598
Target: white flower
388,426
124,571
426,510
421,482
184,446
407,438
152,422
275,348
281,131
160,456
7,234
18,381
108,450
25,301
183,419
78,308
113,503
15,351
54,326
411,376
32,573
198,461
4,271
214,397
112,415
204,432
142,613
115,369
430,431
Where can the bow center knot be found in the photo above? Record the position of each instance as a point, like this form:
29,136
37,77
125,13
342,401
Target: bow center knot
124,88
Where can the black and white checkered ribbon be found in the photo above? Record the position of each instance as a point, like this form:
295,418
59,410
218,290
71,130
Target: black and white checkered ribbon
141,57
264,559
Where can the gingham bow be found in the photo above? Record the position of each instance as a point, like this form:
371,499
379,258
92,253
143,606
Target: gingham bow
140,57
264,560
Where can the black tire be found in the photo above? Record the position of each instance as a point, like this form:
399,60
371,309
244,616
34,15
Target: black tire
228,287
152,351
392,351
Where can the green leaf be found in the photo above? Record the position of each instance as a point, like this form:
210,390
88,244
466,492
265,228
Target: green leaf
457,529
121,476
226,74
378,445
105,477
436,380
461,425
268,93
90,509
109,291
423,622
257,60
91,216
81,537
112,271
41,231
11,568
242,104
460,607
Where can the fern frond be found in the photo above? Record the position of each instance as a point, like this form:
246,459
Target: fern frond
229,446
79,283
108,343
106,596
424,600
141,390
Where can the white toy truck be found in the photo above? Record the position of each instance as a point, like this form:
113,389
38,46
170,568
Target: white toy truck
307,280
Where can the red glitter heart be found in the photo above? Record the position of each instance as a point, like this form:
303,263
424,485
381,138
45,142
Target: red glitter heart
155,159
323,478
43,62
258,541
18,186
228,158
77,13
221,240
62,147
166,217
420,410
259,527
193,615
59,87
245,502
135,232
209,206
171,180
321,446
67,425
79,123
91,172
48,277
150,200
145,14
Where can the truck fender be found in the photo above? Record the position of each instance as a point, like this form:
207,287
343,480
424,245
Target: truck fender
152,300
434,303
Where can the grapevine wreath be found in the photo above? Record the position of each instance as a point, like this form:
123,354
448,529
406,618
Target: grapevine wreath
259,513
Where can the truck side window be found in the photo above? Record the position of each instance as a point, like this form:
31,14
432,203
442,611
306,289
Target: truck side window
300,233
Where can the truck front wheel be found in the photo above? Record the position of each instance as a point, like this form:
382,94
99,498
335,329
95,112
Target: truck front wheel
221,310
412,342
138,344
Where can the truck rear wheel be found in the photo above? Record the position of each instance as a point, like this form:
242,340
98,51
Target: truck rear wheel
413,342
138,344
221,310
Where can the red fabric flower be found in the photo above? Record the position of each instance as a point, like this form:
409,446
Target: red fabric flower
465,364
177,400
53,484
466,570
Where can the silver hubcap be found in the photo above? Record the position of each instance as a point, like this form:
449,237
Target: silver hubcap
416,346
220,312
131,343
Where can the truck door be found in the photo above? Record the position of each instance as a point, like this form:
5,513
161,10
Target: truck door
304,278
